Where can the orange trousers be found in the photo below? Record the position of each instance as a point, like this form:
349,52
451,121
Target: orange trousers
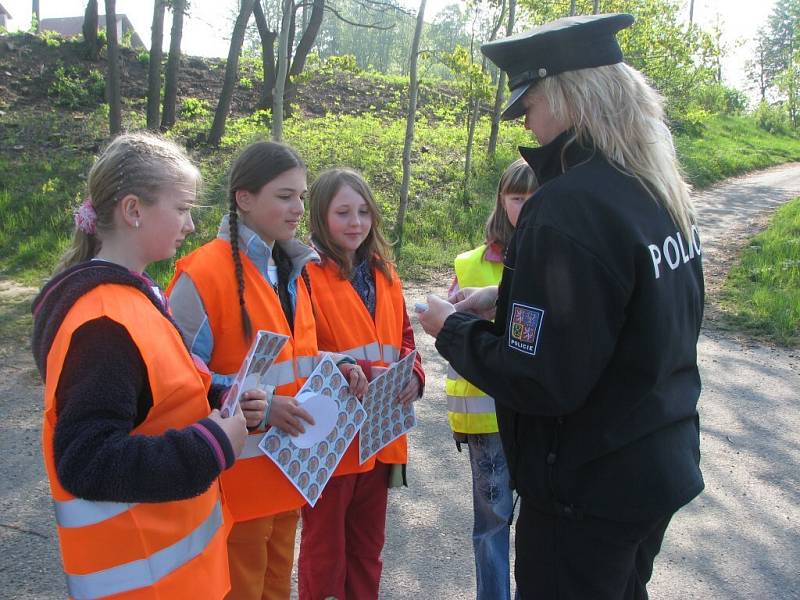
260,557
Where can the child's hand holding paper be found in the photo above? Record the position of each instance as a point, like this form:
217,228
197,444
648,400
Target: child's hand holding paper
254,405
288,415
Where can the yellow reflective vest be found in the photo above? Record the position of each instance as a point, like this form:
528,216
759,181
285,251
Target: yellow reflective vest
469,410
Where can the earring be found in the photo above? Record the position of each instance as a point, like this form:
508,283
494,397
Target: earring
136,224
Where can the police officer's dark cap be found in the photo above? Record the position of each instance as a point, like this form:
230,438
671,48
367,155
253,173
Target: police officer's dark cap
563,45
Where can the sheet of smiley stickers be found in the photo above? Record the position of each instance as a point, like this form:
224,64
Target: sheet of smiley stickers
309,460
387,419
265,347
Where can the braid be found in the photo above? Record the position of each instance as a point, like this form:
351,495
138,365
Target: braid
284,265
307,280
233,232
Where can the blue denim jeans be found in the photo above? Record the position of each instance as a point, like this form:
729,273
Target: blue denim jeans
492,506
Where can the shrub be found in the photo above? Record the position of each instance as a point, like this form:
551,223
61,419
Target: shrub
246,83
195,108
691,123
772,118
719,99
52,39
346,64
73,90
143,57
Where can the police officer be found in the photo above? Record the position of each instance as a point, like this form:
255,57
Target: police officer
592,356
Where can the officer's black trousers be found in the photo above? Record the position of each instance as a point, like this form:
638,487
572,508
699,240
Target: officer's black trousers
561,558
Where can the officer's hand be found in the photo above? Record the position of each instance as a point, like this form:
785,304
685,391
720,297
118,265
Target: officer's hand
478,301
434,317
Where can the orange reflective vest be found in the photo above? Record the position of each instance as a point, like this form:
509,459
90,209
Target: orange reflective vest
158,550
345,325
254,487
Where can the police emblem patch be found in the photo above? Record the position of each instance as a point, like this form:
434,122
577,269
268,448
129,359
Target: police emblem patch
524,328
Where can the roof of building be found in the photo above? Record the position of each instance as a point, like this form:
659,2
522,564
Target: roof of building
73,26
3,11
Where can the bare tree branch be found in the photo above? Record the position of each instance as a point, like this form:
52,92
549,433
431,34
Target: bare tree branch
379,5
364,25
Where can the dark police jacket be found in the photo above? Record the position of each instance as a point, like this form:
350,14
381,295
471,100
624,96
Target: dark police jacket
592,357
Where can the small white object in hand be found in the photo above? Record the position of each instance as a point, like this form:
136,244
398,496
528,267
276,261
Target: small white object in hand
420,307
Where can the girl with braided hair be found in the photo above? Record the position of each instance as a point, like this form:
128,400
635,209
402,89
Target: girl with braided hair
250,278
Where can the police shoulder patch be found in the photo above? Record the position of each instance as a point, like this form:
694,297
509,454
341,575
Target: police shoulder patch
524,328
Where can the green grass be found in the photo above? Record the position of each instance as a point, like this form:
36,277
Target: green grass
40,184
728,146
762,292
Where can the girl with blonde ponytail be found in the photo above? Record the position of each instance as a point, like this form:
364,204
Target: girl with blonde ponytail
132,447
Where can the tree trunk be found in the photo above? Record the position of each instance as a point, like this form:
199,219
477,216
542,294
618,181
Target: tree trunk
691,12
571,8
413,90
154,67
267,55
596,7
35,12
90,30
304,46
499,97
231,72
112,83
173,65
290,41
475,109
283,69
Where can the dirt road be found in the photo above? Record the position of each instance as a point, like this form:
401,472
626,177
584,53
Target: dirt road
739,540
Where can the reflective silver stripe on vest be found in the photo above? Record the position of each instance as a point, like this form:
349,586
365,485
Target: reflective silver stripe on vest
283,373
251,449
147,571
470,404
372,352
82,513
369,352
390,354
305,365
280,373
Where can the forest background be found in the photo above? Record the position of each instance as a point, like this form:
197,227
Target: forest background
347,82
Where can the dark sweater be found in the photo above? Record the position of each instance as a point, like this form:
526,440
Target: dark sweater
104,393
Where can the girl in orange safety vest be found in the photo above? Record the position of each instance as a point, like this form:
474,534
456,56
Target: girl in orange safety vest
359,308
250,278
471,412
131,451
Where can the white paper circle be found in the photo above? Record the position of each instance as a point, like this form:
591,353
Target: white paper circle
324,410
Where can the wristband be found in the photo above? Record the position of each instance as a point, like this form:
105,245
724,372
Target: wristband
270,390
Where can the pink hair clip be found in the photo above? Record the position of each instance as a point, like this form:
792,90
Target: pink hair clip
86,217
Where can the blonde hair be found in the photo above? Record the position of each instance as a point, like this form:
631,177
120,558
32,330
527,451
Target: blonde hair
614,108
141,164
374,247
518,178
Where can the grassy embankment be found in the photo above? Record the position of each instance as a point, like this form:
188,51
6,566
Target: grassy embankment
39,186
762,293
